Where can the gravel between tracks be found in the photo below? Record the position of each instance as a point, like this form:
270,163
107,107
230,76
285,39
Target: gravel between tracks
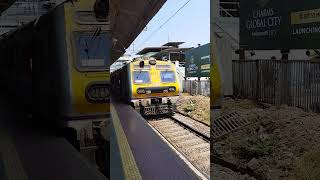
193,147
200,127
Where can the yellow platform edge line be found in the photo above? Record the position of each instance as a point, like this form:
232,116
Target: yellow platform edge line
13,167
129,164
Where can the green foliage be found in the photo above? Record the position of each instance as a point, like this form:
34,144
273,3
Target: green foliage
191,106
255,146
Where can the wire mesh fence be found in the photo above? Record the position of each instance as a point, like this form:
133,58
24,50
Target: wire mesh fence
195,87
291,82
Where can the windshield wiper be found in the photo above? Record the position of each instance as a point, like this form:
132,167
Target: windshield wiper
139,75
87,49
96,32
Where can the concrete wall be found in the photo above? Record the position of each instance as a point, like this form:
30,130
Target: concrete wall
225,63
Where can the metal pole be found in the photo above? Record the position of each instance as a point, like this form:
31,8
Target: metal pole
199,86
284,90
242,54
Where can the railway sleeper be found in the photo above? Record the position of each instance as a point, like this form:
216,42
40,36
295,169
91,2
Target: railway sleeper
164,122
178,133
168,131
182,138
199,150
202,158
201,145
166,126
193,157
190,142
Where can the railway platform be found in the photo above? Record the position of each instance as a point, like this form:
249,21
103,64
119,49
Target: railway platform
26,156
142,152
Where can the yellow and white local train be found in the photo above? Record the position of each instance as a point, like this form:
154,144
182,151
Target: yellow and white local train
84,48
69,48
76,49
150,86
66,91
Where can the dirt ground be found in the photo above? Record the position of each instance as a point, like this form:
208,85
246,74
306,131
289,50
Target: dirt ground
280,143
196,107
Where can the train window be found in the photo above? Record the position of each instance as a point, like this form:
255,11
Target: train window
92,51
167,76
141,77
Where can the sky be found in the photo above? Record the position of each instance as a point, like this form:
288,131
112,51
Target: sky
191,25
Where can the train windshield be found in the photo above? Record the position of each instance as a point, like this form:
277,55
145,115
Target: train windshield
141,77
92,51
167,76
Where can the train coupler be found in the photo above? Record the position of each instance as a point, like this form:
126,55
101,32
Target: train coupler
160,109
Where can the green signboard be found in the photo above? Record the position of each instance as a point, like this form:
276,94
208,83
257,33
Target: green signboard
280,24
198,62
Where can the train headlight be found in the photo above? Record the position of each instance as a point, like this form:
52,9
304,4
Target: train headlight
152,62
141,91
165,91
148,91
98,93
172,89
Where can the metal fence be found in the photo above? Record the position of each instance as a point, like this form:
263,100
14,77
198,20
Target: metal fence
192,87
291,82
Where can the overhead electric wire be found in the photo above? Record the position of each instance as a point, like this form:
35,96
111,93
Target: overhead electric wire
165,23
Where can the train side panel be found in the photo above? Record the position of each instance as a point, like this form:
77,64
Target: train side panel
81,80
127,83
61,57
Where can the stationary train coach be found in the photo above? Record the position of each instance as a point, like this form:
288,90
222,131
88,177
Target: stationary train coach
64,56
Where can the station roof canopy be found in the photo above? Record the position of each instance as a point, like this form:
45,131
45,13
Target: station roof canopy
128,18
168,47
24,33
175,50
5,4
173,44
165,52
152,49
21,36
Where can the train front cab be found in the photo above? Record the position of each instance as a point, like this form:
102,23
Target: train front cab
154,86
85,65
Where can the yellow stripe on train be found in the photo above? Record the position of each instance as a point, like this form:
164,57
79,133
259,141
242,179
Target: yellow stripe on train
215,84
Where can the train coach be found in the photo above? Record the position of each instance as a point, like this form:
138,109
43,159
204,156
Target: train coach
68,52
72,51
150,86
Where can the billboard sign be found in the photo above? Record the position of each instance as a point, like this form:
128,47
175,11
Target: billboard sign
274,24
198,61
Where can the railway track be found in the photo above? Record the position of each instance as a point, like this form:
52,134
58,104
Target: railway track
187,138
